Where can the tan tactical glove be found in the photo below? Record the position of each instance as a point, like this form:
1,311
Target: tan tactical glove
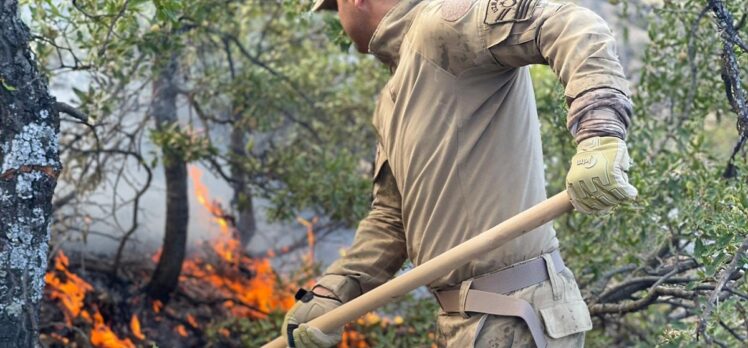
597,180
308,307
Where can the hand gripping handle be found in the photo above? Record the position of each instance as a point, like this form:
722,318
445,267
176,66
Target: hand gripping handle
431,270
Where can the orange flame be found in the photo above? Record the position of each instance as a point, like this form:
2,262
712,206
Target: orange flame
66,287
253,295
135,327
103,337
71,291
251,286
157,255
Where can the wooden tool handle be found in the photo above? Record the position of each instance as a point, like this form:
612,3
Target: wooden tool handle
437,267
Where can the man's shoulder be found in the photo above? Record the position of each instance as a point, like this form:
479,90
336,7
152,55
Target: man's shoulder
455,23
489,12
446,32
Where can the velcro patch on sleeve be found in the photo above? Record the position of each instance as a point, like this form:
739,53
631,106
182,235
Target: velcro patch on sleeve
504,11
453,10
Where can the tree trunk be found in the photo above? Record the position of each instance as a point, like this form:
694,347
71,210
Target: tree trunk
164,109
242,200
29,128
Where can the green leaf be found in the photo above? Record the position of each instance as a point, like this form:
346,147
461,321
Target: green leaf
7,87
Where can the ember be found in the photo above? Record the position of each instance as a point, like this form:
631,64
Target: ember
191,319
157,305
182,331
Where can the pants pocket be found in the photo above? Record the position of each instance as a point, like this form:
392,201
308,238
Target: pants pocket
566,314
566,318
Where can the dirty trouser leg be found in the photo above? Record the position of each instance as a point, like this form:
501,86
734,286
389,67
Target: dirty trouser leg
497,332
509,332
455,331
568,315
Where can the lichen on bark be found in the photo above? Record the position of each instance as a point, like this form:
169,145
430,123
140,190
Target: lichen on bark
29,163
36,144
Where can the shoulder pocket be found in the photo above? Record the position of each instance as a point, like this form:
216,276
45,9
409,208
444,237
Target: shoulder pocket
566,318
501,16
509,11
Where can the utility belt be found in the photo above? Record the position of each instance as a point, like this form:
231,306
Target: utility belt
487,293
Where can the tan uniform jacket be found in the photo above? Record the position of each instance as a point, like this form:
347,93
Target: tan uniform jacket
459,138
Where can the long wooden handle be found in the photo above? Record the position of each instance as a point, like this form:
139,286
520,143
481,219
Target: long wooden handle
437,267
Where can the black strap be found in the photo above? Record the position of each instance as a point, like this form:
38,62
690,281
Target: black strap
289,334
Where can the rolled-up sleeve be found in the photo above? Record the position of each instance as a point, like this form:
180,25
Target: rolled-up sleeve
579,47
575,42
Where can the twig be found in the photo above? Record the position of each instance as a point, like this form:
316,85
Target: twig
601,283
134,225
111,30
723,279
692,64
217,300
651,297
732,331
742,312
628,288
72,111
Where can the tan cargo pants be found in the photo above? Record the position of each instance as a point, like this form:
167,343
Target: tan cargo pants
565,320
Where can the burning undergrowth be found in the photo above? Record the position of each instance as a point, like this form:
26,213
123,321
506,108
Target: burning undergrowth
86,306
100,312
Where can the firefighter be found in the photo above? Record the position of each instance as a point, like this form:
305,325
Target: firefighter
459,151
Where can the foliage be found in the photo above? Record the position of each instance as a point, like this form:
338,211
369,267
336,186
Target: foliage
409,322
245,332
412,323
187,144
266,91
287,83
689,221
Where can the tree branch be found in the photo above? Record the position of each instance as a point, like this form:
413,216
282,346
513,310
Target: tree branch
731,76
71,110
723,279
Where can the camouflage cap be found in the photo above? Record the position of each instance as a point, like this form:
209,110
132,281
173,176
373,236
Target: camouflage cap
320,5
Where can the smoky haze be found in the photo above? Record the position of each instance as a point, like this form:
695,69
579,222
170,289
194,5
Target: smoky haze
202,226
